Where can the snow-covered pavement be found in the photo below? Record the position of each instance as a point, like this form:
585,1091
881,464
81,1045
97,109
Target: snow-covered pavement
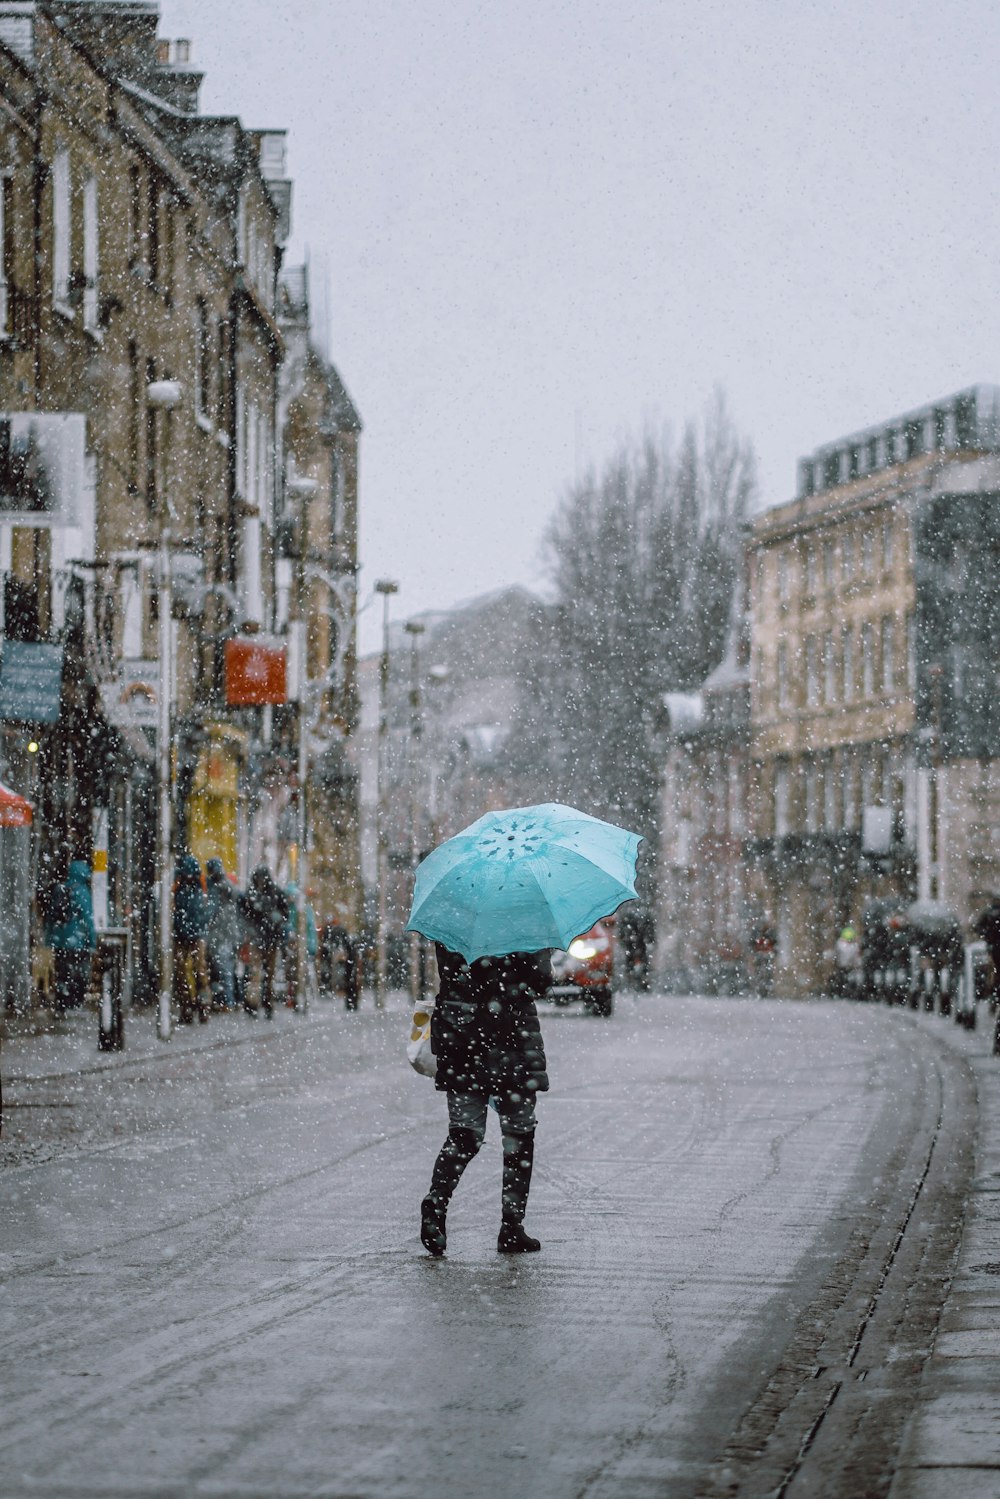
748,1209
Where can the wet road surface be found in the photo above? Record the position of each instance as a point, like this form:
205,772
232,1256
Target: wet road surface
215,1286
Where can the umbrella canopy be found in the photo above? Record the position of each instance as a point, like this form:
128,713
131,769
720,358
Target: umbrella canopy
523,879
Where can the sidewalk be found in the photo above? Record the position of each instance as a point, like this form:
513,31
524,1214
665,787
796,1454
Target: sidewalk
951,1444
69,1047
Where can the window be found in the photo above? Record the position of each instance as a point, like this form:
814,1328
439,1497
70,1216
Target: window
911,653
781,819
812,671
150,440
812,797
90,253
829,670
887,546
888,654
828,563
135,248
847,662
153,231
6,252
60,228
848,791
202,360
134,417
872,454
829,796
847,556
784,695
812,570
890,447
867,552
166,249
783,576
867,660
222,375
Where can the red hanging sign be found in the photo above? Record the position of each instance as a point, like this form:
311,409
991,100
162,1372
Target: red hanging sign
256,672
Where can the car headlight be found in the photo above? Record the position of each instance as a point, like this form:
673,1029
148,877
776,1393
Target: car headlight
582,950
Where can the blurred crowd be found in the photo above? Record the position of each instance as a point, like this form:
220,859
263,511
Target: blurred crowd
232,949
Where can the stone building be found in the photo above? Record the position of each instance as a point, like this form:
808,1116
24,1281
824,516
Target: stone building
142,242
875,724
316,606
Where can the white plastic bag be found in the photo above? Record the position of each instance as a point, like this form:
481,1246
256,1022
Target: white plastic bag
418,1048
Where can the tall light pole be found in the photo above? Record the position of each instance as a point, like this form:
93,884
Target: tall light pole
302,487
386,587
414,629
165,395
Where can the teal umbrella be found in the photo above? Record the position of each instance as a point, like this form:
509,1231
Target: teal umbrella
523,879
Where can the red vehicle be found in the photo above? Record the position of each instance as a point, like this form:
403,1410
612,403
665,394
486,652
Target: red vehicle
586,970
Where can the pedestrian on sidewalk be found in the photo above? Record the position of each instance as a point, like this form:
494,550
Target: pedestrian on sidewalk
192,990
487,1041
223,935
340,964
69,931
265,907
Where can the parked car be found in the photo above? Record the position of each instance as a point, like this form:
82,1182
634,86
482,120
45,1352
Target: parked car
938,948
886,939
586,971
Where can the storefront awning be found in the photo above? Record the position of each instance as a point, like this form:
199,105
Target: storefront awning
15,812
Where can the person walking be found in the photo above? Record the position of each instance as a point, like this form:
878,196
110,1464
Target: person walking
191,985
223,934
265,907
340,965
69,931
488,1045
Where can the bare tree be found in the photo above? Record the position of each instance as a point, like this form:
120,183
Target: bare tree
643,557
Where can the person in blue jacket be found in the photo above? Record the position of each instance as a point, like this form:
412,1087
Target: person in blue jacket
69,931
222,938
191,914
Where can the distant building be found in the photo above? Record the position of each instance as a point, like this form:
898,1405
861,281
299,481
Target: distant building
875,712
447,752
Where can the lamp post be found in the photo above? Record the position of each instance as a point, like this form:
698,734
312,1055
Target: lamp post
437,678
302,487
414,629
386,587
164,395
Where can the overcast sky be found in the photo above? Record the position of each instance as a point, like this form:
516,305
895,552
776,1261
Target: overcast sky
546,225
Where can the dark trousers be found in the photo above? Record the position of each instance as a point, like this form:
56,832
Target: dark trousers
72,972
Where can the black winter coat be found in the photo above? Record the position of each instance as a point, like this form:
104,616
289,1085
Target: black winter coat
484,1027
265,906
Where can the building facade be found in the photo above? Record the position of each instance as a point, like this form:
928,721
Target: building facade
142,244
874,728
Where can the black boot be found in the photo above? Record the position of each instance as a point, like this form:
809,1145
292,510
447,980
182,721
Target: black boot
518,1156
453,1157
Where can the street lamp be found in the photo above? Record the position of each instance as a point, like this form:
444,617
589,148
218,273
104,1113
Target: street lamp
302,487
386,587
164,395
414,629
